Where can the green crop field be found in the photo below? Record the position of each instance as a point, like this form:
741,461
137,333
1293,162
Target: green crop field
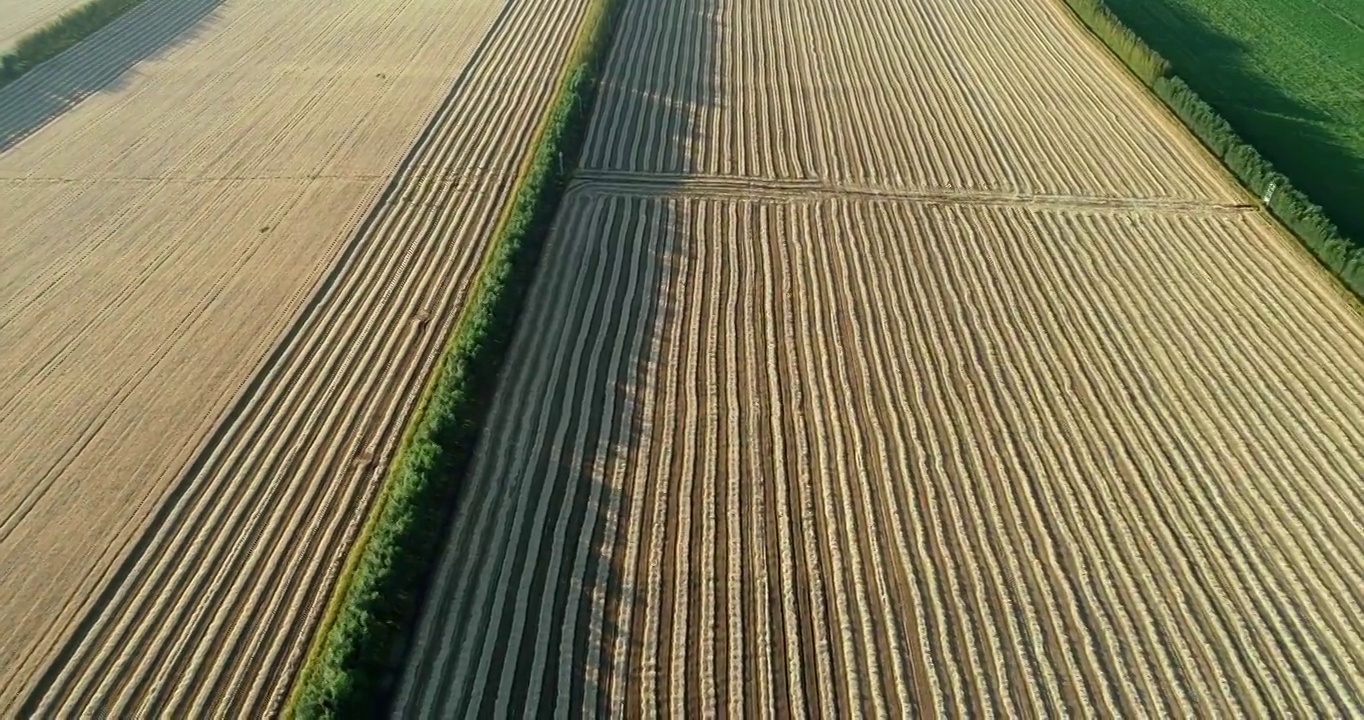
1287,74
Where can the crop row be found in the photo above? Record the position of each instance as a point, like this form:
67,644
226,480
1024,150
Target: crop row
1308,221
358,660
57,36
1275,69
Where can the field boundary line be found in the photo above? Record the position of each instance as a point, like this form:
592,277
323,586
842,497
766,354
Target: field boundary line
56,37
478,338
629,184
1340,256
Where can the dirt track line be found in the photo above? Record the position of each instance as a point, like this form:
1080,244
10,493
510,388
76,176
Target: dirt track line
726,187
993,464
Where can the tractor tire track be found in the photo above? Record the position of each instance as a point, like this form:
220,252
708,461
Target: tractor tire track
1016,405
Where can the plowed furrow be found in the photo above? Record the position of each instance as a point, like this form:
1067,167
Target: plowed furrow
1227,506
1010,606
1150,474
745,611
475,515
557,511
887,690
847,592
1136,621
490,653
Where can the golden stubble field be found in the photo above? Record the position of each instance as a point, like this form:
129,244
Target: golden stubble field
232,238
21,17
905,356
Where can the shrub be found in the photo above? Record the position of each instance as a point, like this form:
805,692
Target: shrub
1144,62
356,665
59,35
1305,219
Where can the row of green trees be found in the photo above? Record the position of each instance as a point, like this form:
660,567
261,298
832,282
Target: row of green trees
354,669
1340,254
57,36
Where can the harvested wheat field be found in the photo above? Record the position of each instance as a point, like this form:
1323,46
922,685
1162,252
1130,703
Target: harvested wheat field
21,17
906,357
224,275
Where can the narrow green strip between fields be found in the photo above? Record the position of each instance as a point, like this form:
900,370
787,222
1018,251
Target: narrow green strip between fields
1340,254
360,645
1286,74
60,35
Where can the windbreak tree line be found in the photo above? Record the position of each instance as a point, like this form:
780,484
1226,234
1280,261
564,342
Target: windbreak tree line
1340,254
60,35
358,661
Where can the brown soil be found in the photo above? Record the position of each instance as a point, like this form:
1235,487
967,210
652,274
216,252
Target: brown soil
905,356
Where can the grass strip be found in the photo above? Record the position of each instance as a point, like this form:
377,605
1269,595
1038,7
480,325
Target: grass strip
1340,254
357,658
1285,74
61,34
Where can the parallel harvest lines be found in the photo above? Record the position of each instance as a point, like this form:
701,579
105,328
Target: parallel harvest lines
132,313
945,96
21,17
213,612
904,357
978,489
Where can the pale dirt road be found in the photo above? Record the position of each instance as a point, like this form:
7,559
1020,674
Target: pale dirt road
222,282
906,357
21,17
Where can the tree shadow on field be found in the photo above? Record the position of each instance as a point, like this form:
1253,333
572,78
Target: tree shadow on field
1294,136
656,87
643,323
99,63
